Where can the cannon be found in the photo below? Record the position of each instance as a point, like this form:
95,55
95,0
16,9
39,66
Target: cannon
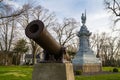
36,31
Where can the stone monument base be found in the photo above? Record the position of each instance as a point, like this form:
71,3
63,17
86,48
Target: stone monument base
53,71
88,68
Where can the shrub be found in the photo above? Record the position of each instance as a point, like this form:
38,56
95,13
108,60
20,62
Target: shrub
78,72
115,70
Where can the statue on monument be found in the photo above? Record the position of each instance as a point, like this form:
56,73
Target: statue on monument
83,18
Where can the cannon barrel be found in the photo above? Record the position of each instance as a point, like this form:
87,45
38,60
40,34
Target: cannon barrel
36,31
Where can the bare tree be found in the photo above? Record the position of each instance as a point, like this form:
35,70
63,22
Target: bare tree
24,20
107,48
7,32
113,6
14,13
65,32
34,13
6,35
8,23
44,15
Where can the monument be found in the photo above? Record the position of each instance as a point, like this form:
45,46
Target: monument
55,65
85,59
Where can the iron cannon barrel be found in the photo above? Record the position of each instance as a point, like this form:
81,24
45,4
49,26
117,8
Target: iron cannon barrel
36,31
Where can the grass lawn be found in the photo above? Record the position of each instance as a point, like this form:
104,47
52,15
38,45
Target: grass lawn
25,73
112,76
99,77
109,69
15,73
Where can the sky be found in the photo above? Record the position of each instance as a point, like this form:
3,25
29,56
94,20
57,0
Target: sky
98,19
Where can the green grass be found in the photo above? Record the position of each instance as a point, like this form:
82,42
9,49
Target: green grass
25,73
109,69
99,77
113,76
15,73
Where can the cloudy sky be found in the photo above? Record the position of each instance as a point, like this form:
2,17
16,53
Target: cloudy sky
98,19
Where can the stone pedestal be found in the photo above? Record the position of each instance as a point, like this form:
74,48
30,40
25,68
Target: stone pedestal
91,68
53,71
88,68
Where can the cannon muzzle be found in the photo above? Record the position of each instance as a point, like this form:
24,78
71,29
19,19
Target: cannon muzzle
37,32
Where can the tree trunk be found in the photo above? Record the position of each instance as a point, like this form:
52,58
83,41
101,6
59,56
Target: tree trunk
34,57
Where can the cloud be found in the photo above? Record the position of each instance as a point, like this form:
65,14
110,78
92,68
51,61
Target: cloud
97,18
99,21
72,5
12,3
72,8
